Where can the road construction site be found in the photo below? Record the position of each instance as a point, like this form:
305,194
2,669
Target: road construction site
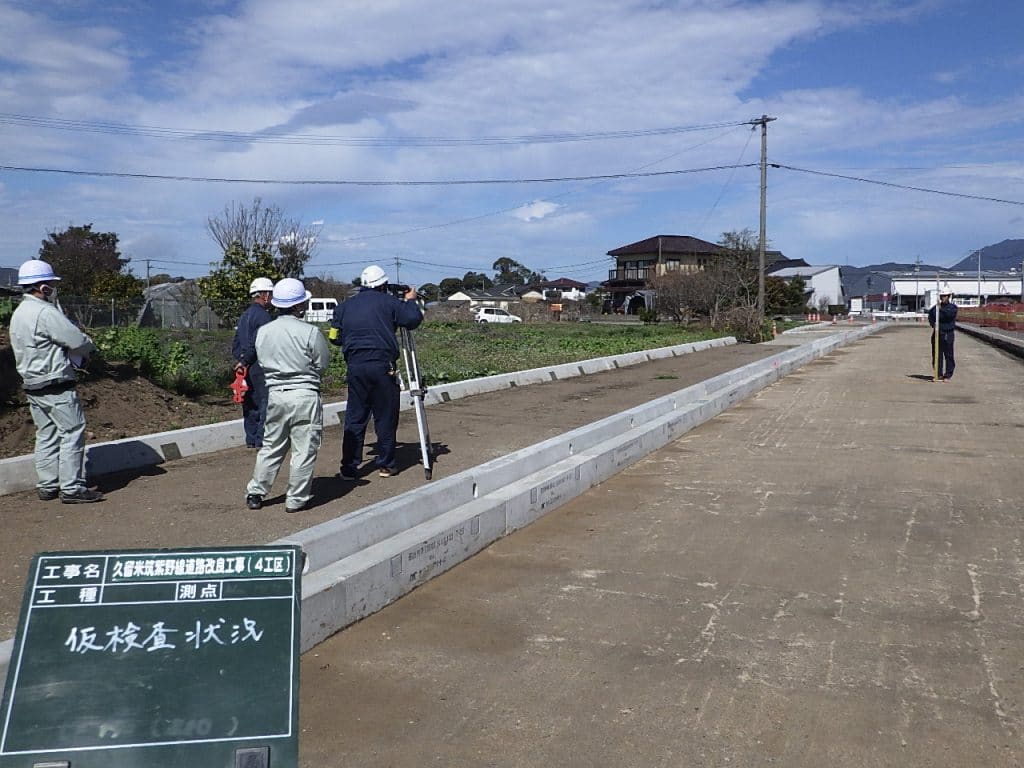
814,561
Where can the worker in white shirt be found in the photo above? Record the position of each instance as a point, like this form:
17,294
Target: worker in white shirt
47,346
294,355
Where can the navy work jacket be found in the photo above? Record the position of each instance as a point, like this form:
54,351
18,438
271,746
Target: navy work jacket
243,346
947,317
364,326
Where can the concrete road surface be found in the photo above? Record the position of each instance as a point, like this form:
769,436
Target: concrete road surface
828,574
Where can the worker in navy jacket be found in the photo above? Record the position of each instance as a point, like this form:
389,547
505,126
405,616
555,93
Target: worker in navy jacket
947,324
364,327
243,350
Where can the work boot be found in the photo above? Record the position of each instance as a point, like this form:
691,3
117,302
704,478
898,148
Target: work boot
254,501
81,497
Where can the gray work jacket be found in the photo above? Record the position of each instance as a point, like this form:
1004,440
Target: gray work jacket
44,340
292,353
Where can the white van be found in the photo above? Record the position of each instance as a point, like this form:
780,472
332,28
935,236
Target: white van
320,310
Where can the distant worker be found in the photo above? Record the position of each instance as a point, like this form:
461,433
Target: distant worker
364,327
243,350
47,349
294,356
947,324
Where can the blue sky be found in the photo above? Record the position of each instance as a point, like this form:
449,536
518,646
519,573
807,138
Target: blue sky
926,93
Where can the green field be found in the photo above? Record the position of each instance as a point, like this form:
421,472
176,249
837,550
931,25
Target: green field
199,362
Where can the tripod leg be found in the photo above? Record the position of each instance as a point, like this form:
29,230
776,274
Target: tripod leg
416,391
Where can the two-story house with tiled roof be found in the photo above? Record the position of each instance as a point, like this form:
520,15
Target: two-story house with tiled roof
637,263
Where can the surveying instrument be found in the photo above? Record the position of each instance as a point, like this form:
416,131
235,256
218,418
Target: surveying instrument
413,383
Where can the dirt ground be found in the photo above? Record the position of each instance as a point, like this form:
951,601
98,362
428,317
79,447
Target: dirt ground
199,501
117,404
115,408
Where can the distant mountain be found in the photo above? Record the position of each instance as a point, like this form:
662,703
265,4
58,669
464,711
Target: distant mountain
1004,256
893,266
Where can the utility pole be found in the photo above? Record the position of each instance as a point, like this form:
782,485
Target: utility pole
763,122
398,270
917,283
979,278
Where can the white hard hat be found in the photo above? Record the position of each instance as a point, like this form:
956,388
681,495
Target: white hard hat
373,276
261,284
35,271
289,292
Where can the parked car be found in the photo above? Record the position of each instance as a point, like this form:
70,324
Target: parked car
495,315
320,310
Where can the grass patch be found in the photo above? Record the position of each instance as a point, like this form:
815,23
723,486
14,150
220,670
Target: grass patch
196,363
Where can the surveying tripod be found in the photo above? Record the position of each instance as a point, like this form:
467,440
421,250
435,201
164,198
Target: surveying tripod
413,383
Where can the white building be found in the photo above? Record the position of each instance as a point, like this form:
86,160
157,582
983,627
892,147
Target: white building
824,286
967,289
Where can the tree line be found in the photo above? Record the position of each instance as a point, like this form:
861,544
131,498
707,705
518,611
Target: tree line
259,240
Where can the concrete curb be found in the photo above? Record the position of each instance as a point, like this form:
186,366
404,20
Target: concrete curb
359,563
18,473
996,337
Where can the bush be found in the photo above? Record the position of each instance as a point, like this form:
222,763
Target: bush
174,364
648,316
746,324
6,310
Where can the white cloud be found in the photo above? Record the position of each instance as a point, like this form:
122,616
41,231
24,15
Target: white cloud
535,210
468,68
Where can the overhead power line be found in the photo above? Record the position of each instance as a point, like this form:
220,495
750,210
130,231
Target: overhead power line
547,198
306,139
368,183
897,186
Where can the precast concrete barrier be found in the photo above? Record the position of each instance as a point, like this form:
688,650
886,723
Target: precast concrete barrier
1004,340
18,473
359,563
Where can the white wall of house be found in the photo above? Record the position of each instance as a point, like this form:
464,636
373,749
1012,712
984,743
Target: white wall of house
827,287
478,302
823,283
573,294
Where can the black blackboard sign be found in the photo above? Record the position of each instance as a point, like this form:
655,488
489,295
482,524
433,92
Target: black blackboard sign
185,657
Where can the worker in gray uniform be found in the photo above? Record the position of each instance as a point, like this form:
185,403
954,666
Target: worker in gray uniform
47,347
294,355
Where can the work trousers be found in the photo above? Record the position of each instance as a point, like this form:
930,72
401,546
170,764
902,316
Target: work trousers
372,390
254,406
60,441
947,363
295,419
